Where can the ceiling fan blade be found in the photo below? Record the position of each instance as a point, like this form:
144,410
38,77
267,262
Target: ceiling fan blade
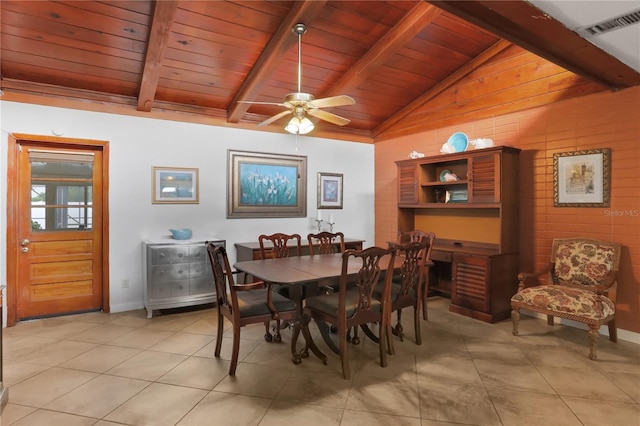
275,117
263,103
330,117
332,101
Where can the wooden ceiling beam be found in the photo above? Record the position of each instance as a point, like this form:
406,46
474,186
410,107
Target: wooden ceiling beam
163,14
448,82
272,56
523,24
406,29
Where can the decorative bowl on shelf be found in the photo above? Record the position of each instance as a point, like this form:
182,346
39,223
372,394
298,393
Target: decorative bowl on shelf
458,141
181,234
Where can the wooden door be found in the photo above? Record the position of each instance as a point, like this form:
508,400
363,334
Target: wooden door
58,235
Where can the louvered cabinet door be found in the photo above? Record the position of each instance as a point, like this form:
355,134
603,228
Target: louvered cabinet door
471,277
408,184
484,178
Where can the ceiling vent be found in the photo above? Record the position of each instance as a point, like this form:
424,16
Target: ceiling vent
610,25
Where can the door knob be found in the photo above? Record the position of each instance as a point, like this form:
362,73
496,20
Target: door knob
24,242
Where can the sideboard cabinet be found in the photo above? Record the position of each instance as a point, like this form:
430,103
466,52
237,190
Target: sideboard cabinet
178,273
470,200
251,250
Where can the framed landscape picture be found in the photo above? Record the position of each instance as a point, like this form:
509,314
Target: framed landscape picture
266,185
172,185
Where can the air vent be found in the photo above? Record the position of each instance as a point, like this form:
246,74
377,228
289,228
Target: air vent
610,25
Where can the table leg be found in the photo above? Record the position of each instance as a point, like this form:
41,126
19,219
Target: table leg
325,332
310,344
296,356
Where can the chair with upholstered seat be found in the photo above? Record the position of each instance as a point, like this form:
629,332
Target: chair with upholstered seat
582,288
243,304
326,243
357,306
281,245
408,286
417,236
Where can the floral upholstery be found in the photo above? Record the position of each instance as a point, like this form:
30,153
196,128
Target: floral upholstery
572,301
583,262
583,289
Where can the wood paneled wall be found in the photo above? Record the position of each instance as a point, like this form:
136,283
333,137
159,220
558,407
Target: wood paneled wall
598,120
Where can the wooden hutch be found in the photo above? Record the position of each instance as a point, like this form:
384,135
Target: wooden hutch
475,219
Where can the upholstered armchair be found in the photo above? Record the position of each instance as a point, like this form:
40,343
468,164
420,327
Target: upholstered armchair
582,287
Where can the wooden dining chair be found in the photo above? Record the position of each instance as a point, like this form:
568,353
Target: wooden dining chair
329,243
357,306
243,304
414,236
326,243
408,286
282,245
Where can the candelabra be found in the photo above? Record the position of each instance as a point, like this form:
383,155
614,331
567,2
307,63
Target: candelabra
319,222
331,226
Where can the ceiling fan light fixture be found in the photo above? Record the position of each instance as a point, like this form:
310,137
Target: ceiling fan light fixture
299,126
304,105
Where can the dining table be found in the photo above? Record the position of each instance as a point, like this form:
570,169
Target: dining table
311,272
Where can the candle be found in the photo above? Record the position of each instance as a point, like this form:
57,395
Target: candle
331,218
319,215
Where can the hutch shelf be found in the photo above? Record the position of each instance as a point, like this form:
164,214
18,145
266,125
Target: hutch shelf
475,218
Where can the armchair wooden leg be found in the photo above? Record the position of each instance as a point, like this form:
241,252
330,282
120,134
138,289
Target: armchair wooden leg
219,335
593,341
416,325
515,319
235,350
399,331
613,331
276,336
344,353
267,335
425,294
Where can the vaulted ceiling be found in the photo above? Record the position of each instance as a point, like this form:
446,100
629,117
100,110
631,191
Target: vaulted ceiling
194,60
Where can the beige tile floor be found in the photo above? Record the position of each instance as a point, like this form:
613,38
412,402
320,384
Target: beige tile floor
124,369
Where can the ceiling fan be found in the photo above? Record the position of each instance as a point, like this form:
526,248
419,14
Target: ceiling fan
302,105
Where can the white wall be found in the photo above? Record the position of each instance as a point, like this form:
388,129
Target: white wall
137,144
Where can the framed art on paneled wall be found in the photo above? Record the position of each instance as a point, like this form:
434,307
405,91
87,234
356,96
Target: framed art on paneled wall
266,185
173,185
329,190
581,178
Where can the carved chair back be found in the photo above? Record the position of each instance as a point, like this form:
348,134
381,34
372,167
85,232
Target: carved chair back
281,245
326,243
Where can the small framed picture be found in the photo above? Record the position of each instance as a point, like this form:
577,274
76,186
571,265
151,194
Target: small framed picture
329,190
173,185
581,178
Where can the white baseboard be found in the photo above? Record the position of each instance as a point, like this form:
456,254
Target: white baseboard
626,335
124,307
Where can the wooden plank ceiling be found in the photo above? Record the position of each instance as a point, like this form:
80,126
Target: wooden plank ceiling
194,60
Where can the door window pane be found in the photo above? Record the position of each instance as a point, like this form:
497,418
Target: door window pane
61,194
